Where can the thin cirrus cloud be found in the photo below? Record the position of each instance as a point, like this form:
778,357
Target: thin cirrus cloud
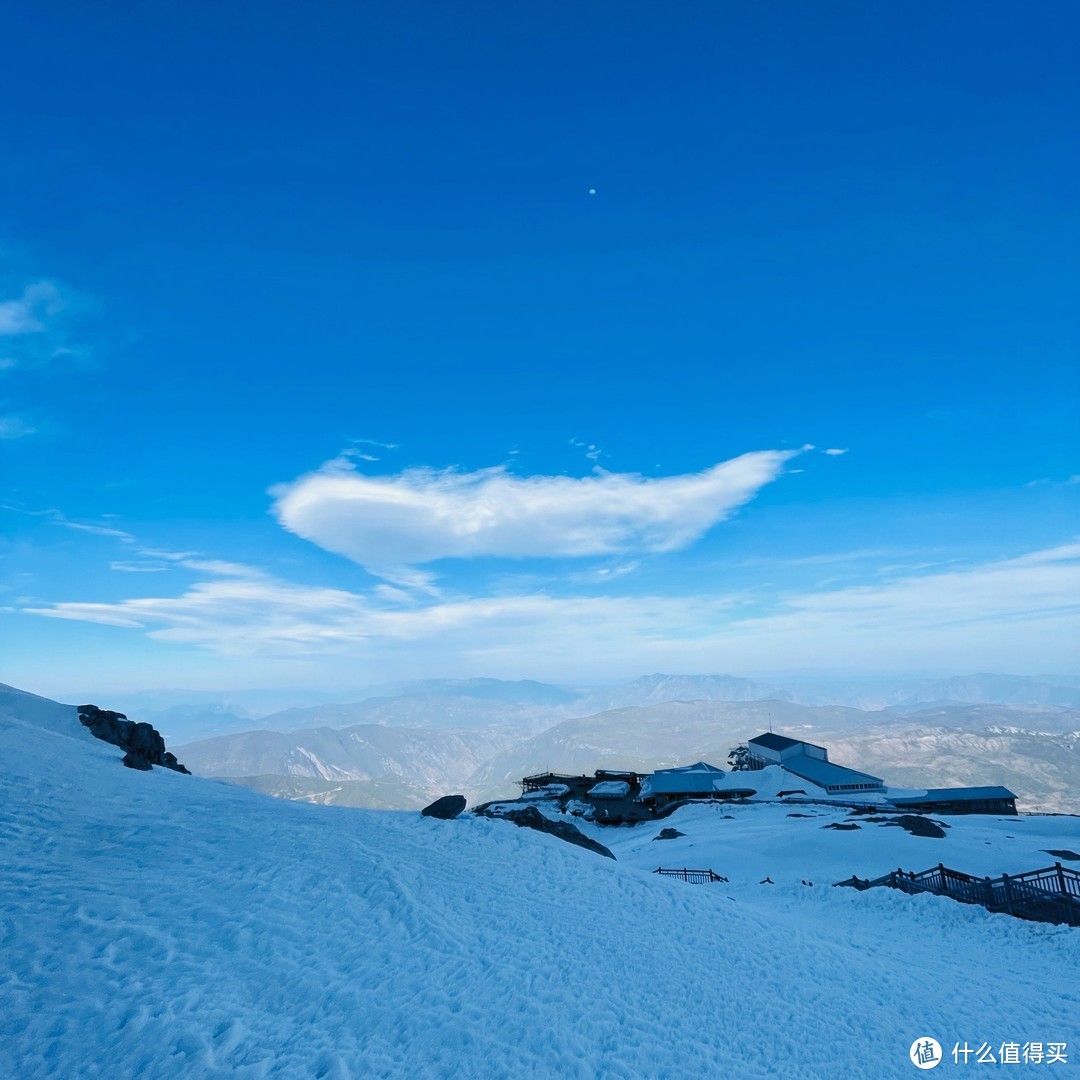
14,426
39,326
423,514
1025,607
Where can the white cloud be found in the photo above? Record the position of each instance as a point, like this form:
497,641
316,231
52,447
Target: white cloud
39,326
1011,614
422,514
375,442
96,530
220,568
172,556
835,452
592,451
14,426
29,313
56,517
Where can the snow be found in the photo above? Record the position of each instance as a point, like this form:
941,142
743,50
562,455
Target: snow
551,791
610,789
791,843
160,925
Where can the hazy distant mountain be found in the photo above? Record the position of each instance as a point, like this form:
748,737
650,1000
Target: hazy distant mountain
385,793
860,693
186,715
1042,767
432,761
1043,718
996,690
250,703
193,721
904,694
654,689
419,711
520,691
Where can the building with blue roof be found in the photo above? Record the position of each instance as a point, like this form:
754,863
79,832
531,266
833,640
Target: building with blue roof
810,762
963,800
698,781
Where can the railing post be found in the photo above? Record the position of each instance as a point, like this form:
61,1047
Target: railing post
1061,877
1008,892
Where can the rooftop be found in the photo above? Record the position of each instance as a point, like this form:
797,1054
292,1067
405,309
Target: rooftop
960,794
825,774
780,742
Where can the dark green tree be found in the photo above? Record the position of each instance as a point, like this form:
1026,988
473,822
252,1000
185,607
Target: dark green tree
739,758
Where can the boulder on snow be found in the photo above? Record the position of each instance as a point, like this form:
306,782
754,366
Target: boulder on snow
1063,853
668,834
920,826
914,824
144,745
447,808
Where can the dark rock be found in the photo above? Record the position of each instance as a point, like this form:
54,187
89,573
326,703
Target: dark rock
668,834
842,826
1063,853
918,825
530,818
802,815
447,808
144,745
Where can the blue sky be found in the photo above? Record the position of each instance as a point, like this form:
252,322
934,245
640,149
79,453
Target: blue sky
341,343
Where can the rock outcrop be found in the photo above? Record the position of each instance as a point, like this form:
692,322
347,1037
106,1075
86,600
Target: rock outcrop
530,818
144,745
447,808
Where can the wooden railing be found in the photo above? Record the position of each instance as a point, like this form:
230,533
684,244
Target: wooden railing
1048,895
695,877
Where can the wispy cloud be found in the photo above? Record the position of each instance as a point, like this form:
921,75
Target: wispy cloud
96,530
421,515
1047,481
40,326
14,426
172,556
592,451
826,558
57,517
1011,613
835,452
375,442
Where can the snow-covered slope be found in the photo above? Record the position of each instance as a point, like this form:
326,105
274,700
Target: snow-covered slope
160,925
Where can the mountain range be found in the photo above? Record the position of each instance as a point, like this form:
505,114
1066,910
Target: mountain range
184,716
1032,749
